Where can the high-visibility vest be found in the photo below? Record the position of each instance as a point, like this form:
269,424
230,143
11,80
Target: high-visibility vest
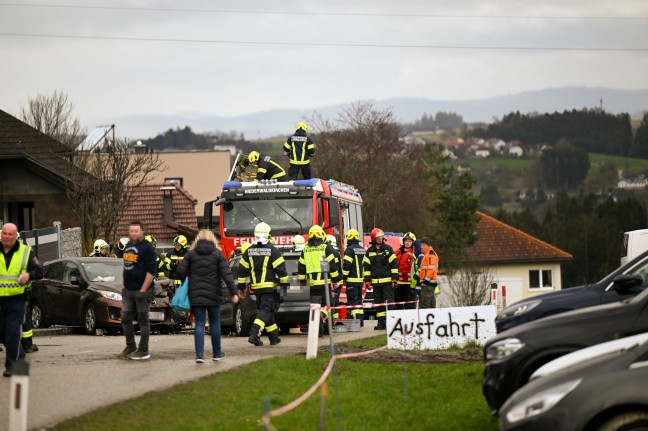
9,276
309,265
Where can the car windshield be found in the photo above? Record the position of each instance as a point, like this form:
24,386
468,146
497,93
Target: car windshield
285,216
102,271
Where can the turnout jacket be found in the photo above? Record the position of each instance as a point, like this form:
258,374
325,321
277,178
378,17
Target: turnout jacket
308,268
268,169
405,258
263,263
380,264
205,266
300,148
352,267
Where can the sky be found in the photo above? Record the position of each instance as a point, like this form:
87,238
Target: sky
227,58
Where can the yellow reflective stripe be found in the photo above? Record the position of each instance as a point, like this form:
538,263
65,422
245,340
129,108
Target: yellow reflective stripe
381,280
356,311
355,280
301,277
277,175
345,272
278,262
283,280
259,322
252,274
381,314
325,312
264,273
271,328
348,258
392,258
27,334
394,271
262,170
241,280
263,285
297,162
330,257
245,264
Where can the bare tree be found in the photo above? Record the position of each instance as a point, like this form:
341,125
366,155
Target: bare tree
54,115
469,286
115,173
362,147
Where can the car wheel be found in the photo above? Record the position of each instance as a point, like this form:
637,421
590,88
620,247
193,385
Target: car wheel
90,320
38,320
628,421
241,325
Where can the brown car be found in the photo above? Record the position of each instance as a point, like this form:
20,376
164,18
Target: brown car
86,291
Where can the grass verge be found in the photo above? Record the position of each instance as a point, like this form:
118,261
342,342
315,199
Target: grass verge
374,396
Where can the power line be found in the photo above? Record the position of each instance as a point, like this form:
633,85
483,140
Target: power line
353,14
325,44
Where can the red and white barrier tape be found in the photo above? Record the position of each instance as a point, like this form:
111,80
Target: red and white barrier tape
369,305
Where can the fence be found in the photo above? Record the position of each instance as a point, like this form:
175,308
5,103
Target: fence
53,243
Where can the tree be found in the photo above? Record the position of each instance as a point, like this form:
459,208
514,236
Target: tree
564,166
640,145
115,173
54,116
469,286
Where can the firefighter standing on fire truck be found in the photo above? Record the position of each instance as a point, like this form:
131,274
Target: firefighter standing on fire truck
309,269
380,268
263,263
405,256
352,273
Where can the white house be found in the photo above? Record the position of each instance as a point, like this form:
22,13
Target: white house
516,151
482,153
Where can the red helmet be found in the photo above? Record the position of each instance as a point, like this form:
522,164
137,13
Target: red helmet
376,233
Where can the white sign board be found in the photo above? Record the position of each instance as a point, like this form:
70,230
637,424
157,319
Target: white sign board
439,328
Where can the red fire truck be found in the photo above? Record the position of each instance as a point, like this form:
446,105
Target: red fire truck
290,208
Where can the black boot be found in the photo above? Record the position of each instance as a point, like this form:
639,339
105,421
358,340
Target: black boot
274,337
381,325
254,336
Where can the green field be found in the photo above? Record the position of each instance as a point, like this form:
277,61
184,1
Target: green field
377,396
629,165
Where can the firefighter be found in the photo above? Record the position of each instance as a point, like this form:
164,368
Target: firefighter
267,169
405,256
300,149
174,257
160,260
428,271
330,239
119,247
380,268
352,273
263,263
309,269
101,249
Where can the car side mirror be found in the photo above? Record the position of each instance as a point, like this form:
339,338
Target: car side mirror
626,281
75,281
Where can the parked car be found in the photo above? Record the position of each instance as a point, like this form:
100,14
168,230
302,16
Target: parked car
617,286
86,291
293,309
600,388
512,356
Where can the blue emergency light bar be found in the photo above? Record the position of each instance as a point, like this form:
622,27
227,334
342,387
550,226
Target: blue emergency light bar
229,184
312,182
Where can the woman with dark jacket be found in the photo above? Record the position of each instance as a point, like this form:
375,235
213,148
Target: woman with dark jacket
206,266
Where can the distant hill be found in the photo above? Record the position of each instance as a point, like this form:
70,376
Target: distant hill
280,121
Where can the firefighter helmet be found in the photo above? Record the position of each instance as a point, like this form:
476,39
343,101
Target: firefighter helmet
375,233
180,239
245,246
99,244
409,235
298,241
121,244
316,231
352,235
262,230
253,157
331,240
301,125
151,239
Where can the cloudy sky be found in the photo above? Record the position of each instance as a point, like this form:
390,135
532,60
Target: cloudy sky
117,58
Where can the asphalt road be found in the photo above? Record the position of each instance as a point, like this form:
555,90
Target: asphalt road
74,374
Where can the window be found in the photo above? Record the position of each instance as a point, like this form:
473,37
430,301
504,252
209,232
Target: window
177,181
540,279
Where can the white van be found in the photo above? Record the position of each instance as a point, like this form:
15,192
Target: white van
634,243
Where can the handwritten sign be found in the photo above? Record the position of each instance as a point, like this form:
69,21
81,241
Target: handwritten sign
439,328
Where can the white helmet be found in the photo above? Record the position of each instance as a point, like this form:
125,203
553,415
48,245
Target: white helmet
331,240
262,233
122,243
299,242
99,244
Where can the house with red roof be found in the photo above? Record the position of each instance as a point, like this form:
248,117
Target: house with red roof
166,210
522,265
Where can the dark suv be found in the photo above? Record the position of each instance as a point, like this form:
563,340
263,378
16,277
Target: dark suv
293,309
617,286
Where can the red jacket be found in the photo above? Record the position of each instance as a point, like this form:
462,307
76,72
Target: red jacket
405,258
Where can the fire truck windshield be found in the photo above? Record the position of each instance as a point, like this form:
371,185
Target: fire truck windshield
285,216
